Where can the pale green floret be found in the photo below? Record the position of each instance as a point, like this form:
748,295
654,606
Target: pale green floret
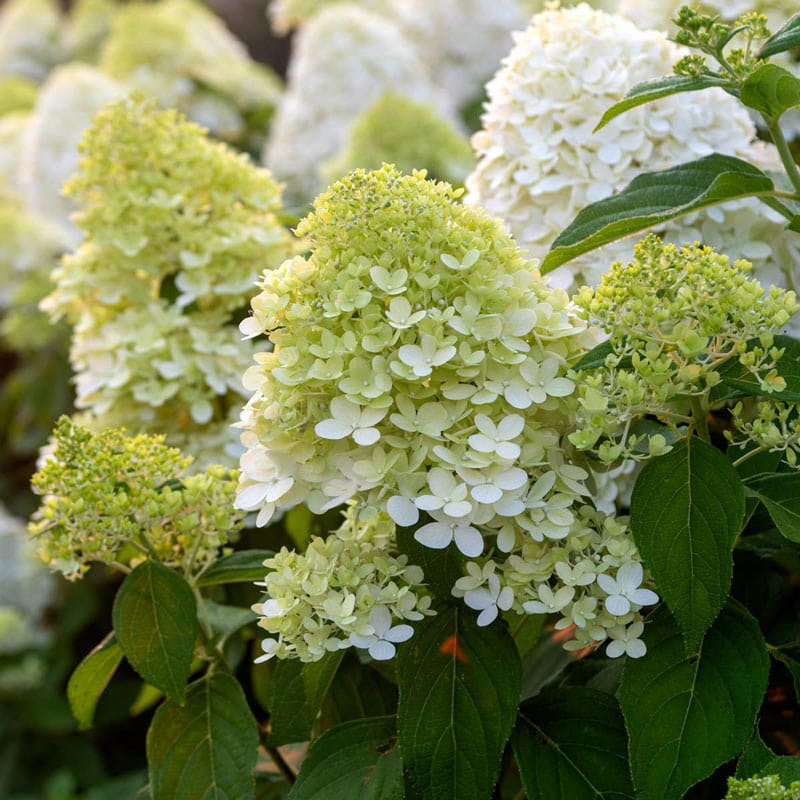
675,317
117,500
767,788
420,372
176,229
17,93
408,134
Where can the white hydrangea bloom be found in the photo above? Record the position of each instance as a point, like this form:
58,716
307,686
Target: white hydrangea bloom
541,164
345,58
29,38
12,135
68,100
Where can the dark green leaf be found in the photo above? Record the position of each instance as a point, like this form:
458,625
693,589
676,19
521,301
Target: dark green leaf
787,768
358,760
771,90
596,357
792,665
687,509
206,748
442,568
357,692
90,679
780,494
737,378
225,620
459,691
754,757
787,38
687,717
298,523
654,198
543,665
570,744
155,620
244,566
296,694
526,629
648,91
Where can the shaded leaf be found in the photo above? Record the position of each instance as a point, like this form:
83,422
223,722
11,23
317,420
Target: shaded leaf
442,568
570,744
771,90
685,717
780,494
787,768
737,378
357,692
90,678
754,757
459,691
687,509
358,760
654,198
225,620
155,620
243,566
787,38
206,748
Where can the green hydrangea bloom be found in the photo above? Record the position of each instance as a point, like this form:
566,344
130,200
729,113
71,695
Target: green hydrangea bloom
181,53
767,788
16,94
88,24
420,368
408,134
675,317
116,499
176,228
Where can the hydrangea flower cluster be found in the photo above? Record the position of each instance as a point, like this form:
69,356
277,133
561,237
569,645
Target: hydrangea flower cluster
675,317
29,38
167,261
182,54
420,369
344,59
410,135
116,499
768,425
343,590
540,163
65,105
766,788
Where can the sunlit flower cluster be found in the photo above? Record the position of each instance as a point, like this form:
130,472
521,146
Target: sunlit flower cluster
181,53
116,499
419,369
351,588
675,319
168,260
344,59
540,163
410,135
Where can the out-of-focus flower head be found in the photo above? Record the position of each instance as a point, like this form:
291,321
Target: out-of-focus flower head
16,94
65,105
408,134
345,59
87,25
182,54
288,14
29,38
420,371
117,499
540,163
169,256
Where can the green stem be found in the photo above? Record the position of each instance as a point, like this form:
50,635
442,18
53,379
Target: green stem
748,454
699,417
785,153
277,759
202,616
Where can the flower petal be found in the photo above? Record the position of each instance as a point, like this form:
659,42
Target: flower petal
402,511
468,540
382,650
435,534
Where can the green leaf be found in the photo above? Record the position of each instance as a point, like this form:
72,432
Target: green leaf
648,91
780,494
787,768
297,693
459,691
754,757
771,90
358,760
243,566
543,665
206,748
687,509
90,678
742,382
442,568
596,357
298,523
225,620
526,630
686,717
787,38
792,665
358,691
654,198
570,744
155,620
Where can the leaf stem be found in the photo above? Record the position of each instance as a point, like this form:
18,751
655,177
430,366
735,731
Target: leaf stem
280,762
779,140
699,417
749,454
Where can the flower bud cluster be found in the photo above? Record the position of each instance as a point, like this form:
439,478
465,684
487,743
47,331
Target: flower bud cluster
116,499
768,425
176,229
761,788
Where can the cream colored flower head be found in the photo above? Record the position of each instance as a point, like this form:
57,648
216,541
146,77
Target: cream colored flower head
29,38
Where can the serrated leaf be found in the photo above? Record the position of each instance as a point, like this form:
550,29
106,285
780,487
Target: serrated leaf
90,678
459,691
792,665
442,568
687,509
243,566
358,760
687,717
648,91
296,693
787,768
754,757
155,620
741,381
654,198
771,90
786,38
207,748
780,494
570,744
